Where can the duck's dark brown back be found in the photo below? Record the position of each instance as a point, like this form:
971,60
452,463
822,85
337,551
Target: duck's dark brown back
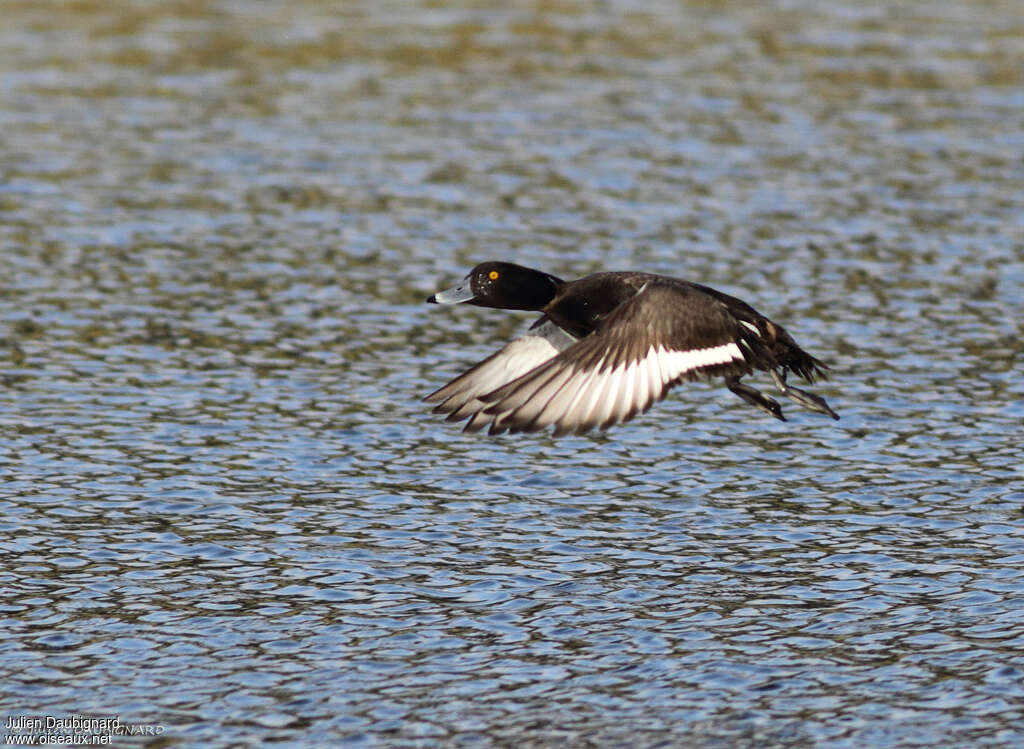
580,305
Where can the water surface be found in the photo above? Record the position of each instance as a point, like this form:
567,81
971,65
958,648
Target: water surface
227,513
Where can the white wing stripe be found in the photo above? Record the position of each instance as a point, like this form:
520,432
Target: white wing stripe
568,397
678,363
579,398
642,387
626,392
583,406
655,382
605,410
656,360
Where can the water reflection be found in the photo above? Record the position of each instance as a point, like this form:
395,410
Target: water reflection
226,510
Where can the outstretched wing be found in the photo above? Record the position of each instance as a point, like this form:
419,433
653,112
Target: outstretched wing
462,396
665,334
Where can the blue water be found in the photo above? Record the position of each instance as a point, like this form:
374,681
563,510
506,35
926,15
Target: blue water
228,519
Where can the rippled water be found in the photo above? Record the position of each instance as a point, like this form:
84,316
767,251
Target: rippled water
226,512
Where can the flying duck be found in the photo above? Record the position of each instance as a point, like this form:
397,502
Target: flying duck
608,346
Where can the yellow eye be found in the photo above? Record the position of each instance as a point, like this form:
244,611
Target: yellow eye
493,275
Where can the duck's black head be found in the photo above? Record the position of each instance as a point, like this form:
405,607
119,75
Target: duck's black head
502,286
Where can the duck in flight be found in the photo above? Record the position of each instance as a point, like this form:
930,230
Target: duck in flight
610,345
